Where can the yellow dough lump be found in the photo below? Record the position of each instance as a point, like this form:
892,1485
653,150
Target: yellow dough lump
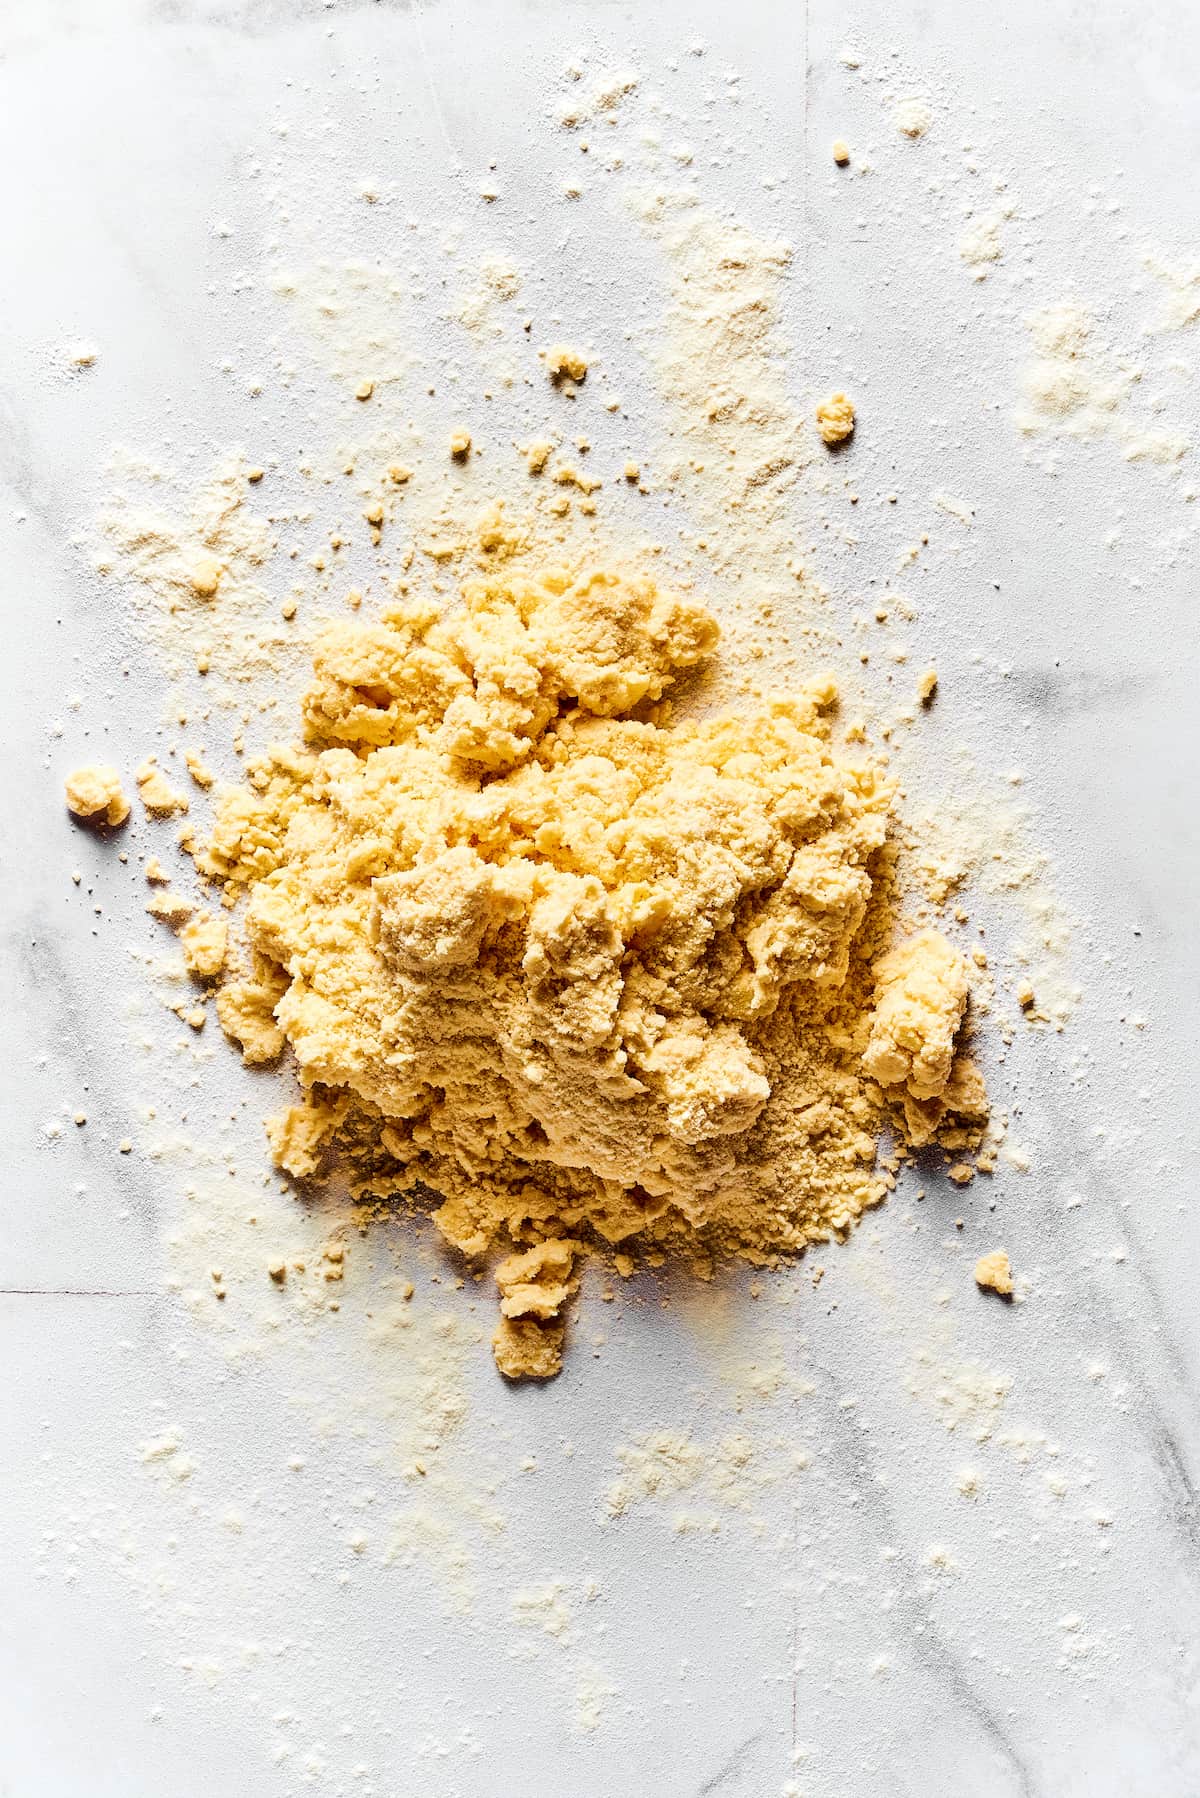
835,419
95,792
590,977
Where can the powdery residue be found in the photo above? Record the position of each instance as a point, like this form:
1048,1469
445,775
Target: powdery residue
1077,386
720,368
1181,297
357,318
980,245
969,836
195,567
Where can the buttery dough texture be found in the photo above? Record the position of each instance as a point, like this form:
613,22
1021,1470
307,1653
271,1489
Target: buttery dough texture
993,1273
592,977
95,792
835,419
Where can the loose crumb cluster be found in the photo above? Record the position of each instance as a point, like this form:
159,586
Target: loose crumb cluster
599,980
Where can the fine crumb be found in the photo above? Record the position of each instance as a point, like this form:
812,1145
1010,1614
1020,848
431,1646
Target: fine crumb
94,791
993,1274
835,419
205,576
841,152
927,686
460,445
565,363
205,943
197,767
170,908
160,799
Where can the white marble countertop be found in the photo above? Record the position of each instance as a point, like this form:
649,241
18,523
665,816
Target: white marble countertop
927,1545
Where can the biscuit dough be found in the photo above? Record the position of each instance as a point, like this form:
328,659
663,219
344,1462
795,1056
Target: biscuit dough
835,419
94,791
994,1274
593,977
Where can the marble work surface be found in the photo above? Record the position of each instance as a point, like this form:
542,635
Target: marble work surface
872,1535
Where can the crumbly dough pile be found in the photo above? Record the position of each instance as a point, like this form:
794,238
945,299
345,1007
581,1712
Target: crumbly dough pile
593,977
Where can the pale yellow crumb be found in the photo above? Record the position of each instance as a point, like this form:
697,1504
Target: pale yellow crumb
199,770
835,419
526,1350
460,445
170,908
206,576
927,685
993,1273
537,454
565,363
570,476
94,791
155,873
159,797
841,151
631,471
364,390
204,941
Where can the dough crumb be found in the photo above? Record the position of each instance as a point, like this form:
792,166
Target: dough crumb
170,908
246,1012
206,576
921,991
841,152
158,796
993,1274
525,1350
835,419
205,943
927,686
94,791
565,363
460,445
537,454
199,770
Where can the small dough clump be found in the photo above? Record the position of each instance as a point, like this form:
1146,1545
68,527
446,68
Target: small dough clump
600,981
922,993
158,795
993,1274
564,363
95,792
205,942
835,419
